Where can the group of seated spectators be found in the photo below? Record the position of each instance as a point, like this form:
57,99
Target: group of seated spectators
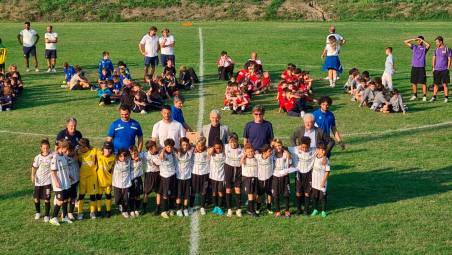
115,85
11,88
372,93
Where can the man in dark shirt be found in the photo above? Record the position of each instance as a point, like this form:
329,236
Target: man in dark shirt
215,130
70,133
259,131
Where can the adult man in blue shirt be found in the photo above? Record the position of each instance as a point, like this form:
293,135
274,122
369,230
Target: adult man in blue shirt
123,131
259,131
325,120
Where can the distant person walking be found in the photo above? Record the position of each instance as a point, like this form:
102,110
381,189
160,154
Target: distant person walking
51,40
28,38
441,66
418,74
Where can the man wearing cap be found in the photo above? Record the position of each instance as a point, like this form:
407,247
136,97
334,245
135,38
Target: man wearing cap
259,131
124,131
419,48
441,66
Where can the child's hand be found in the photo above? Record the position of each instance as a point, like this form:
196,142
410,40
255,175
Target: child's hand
33,179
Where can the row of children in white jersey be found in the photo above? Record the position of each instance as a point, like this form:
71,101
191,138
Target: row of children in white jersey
179,176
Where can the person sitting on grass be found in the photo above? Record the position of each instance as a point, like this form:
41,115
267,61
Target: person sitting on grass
104,94
185,77
7,97
395,103
17,86
287,73
68,71
254,61
154,98
105,63
78,80
368,95
139,99
170,83
225,66
12,72
169,67
121,65
104,76
124,76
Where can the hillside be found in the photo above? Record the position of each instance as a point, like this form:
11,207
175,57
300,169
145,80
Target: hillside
246,10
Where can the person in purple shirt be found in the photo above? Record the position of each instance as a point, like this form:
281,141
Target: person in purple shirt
441,65
259,131
418,74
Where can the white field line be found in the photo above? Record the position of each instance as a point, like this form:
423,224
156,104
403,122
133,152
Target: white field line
194,226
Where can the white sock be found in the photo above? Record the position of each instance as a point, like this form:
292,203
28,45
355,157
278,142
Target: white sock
331,82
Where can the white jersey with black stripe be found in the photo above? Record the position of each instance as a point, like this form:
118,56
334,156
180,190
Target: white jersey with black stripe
122,174
137,167
249,167
318,173
233,156
282,164
152,162
217,167
201,163
185,165
42,165
264,167
303,161
60,165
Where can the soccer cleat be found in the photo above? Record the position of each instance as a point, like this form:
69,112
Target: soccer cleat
49,70
239,213
202,211
287,214
132,214
67,220
80,216
37,216
186,213
143,112
137,213
220,211
63,86
125,215
54,221
413,98
424,99
215,210
171,213
433,99
164,215
446,100
315,212
37,70
120,208
27,70
278,214
179,213
269,212
46,219
229,214
92,215
323,214
71,216
101,104
53,70
226,108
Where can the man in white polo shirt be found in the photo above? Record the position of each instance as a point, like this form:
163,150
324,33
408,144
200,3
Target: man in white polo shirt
28,39
149,47
51,39
167,47
167,128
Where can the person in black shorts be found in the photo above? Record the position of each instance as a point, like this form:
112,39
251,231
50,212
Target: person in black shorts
151,175
418,74
233,173
441,65
28,39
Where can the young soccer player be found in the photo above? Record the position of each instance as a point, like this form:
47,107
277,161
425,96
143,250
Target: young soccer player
386,78
41,178
303,159
320,174
281,182
249,173
88,177
200,174
185,159
168,167
137,183
105,164
74,169
264,177
151,175
233,173
122,181
216,176
61,181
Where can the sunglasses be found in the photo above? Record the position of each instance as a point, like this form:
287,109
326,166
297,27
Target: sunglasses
258,114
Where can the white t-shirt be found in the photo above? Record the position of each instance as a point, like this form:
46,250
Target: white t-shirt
318,172
122,174
28,37
338,37
167,50
42,164
389,64
217,167
52,37
163,131
60,165
151,45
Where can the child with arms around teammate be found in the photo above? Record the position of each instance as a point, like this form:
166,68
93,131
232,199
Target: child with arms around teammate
303,159
185,159
40,177
320,174
151,175
88,177
233,173
264,177
122,181
74,170
216,176
281,182
105,164
61,181
200,174
137,183
249,177
168,168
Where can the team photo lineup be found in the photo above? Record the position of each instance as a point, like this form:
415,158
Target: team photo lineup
180,127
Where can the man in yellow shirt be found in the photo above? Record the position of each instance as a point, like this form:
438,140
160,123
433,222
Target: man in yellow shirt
105,163
3,52
88,177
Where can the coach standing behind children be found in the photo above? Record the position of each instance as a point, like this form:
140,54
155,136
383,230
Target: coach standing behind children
167,128
149,47
215,131
167,47
70,133
259,131
124,131
28,39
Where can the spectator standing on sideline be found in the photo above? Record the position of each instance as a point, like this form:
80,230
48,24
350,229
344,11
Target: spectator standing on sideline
259,131
418,73
149,47
3,52
28,39
124,131
441,66
51,39
167,47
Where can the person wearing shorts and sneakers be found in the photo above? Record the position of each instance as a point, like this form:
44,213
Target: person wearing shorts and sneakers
51,39
441,65
418,74
149,47
28,39
167,47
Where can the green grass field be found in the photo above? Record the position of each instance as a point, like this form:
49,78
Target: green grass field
389,192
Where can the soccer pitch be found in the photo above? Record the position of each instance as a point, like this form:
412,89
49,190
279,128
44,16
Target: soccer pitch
390,191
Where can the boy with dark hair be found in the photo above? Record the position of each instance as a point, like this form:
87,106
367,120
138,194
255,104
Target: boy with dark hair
320,173
105,63
442,57
418,74
41,178
168,167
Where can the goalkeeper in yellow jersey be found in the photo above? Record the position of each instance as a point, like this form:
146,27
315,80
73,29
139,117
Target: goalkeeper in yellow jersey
88,177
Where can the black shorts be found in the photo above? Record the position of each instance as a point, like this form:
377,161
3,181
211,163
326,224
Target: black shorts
250,185
418,75
151,61
151,182
232,176
50,54
168,186
121,196
42,192
2,66
217,186
73,191
318,194
29,51
264,187
304,181
183,188
62,195
136,189
281,186
441,77
199,184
